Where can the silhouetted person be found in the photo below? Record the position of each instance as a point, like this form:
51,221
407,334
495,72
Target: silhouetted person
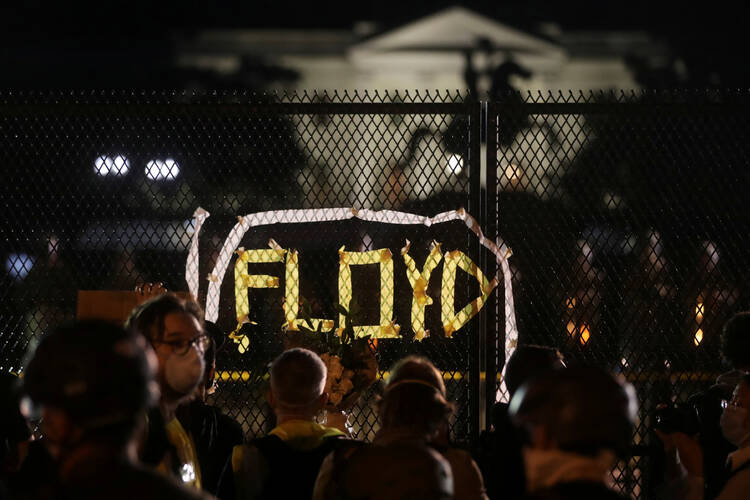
500,449
413,412
285,463
735,426
471,76
94,382
502,74
215,434
576,422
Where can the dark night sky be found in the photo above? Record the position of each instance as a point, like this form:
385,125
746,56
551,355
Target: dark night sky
709,36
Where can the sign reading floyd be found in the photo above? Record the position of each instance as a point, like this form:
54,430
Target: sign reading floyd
387,325
346,257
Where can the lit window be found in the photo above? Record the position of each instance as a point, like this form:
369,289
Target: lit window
18,265
158,170
111,166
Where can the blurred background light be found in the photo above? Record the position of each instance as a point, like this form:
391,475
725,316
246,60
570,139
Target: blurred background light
455,164
18,265
158,170
111,166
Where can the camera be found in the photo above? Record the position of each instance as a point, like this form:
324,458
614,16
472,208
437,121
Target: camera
700,414
677,417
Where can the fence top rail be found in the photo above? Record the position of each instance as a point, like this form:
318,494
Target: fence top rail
234,109
424,96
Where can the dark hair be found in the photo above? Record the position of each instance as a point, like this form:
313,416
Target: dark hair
582,409
414,397
148,318
735,341
215,335
529,361
100,375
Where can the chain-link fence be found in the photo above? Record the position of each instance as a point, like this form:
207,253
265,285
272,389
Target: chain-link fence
100,191
626,218
624,214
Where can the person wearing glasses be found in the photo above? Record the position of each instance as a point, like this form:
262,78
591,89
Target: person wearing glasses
174,328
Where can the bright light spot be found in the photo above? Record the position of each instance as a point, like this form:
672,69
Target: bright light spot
111,165
18,265
667,364
585,334
624,362
571,328
187,473
512,172
699,310
158,170
455,164
698,337
571,302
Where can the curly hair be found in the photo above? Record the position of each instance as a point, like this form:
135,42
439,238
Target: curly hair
148,318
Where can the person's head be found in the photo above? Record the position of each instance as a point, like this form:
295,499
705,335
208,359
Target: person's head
735,420
298,380
403,471
174,328
735,341
529,361
93,381
581,410
414,397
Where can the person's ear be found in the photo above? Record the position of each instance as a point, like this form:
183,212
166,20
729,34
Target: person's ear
321,401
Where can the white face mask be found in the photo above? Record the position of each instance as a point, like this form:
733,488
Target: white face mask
184,371
733,425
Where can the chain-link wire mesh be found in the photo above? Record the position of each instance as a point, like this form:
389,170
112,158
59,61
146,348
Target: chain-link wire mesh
100,190
624,213
626,216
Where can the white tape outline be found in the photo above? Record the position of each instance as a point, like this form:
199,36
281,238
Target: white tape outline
245,223
192,274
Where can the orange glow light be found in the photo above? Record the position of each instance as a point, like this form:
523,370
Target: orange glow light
585,334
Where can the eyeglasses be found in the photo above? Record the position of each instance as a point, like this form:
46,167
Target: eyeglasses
201,342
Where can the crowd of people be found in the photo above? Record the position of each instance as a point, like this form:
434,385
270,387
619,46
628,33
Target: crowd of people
123,413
